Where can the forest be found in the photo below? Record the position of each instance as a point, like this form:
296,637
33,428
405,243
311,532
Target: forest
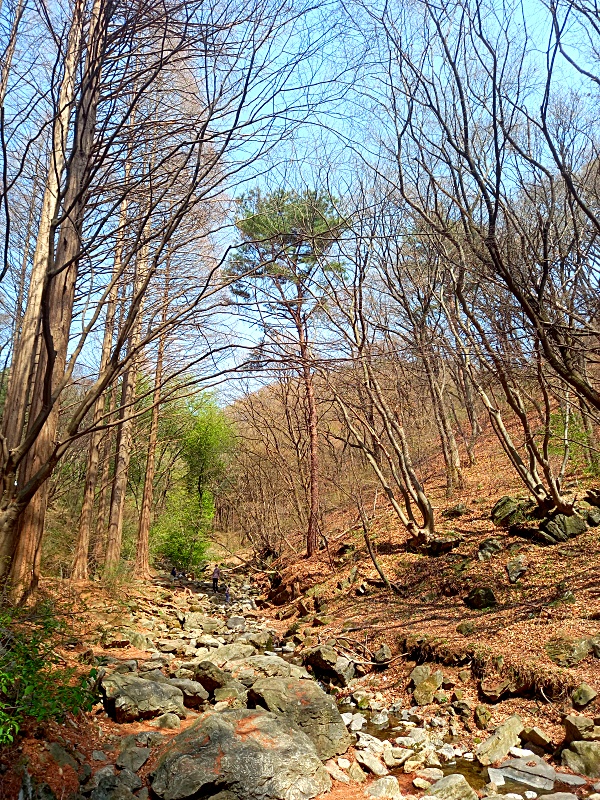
275,275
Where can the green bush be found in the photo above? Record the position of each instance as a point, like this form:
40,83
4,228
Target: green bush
179,535
31,682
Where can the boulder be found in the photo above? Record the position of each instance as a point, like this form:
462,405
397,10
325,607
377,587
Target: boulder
386,787
531,771
494,688
383,655
538,738
424,692
306,705
195,621
211,677
452,787
508,511
327,663
567,651
583,695
371,762
249,670
466,628
481,597
253,755
583,757
482,716
489,548
128,698
497,746
420,673
561,528
230,652
580,728
516,568
262,640
236,623
132,757
194,693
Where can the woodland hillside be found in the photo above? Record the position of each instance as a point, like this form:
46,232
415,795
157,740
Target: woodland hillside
299,399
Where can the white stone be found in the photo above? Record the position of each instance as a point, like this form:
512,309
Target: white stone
496,776
357,722
343,763
468,756
530,795
347,718
519,752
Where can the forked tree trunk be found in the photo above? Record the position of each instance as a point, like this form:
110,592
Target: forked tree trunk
23,366
57,308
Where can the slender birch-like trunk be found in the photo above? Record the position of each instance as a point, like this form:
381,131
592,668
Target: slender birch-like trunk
142,556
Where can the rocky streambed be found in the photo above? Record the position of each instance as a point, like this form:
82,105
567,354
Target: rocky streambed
229,715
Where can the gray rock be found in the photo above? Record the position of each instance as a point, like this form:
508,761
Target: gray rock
383,655
570,780
325,662
481,597
356,774
583,757
254,755
562,528
229,652
497,746
566,651
129,779
531,771
211,677
249,670
578,727
306,705
583,695
195,621
133,758
167,722
538,738
424,691
336,773
516,568
234,693
371,762
236,623
194,693
128,698
452,787
560,796
508,511
420,674
262,640
387,787
489,548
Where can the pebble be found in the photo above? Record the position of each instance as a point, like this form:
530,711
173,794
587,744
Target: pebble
530,795
471,757
343,763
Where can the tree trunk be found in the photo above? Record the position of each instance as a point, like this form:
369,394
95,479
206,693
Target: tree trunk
125,435
23,366
57,308
80,561
142,556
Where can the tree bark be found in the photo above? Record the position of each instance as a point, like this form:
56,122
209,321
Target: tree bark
57,308
142,556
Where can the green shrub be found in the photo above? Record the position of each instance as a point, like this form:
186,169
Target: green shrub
179,535
32,684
